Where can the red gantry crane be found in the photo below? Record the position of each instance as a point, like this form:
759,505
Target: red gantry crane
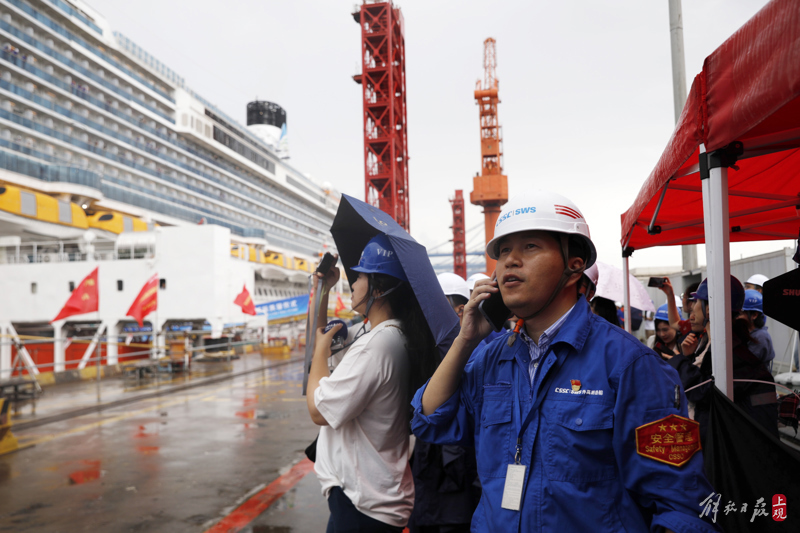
459,235
383,79
490,187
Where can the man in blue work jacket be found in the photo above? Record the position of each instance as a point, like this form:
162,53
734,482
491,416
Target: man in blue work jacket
577,426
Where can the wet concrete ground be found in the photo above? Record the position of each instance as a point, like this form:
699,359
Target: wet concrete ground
178,462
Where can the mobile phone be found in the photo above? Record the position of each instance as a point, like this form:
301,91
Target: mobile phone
494,310
327,262
340,337
656,282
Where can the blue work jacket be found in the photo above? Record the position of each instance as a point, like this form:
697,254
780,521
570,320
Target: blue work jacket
583,472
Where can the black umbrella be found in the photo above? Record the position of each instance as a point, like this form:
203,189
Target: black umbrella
356,223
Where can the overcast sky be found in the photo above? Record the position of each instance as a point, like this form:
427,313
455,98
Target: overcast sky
586,91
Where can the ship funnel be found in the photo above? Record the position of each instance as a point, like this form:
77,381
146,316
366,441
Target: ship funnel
267,120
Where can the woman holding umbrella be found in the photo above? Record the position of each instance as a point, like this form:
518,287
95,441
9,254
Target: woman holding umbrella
363,404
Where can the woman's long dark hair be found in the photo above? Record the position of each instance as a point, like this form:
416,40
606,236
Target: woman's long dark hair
423,355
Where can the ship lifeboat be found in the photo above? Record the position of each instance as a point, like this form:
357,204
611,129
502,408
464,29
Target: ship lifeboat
116,223
22,210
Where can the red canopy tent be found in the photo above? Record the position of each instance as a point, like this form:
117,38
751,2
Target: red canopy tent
731,170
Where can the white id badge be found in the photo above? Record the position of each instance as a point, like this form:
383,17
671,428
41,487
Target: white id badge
512,491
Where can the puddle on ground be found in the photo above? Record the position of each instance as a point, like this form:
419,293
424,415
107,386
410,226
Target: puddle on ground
91,473
147,450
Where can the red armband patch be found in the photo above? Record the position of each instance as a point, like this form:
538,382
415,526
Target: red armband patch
672,440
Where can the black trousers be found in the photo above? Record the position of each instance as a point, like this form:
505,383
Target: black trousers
345,518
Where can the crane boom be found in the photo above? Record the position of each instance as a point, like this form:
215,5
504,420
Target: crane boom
490,187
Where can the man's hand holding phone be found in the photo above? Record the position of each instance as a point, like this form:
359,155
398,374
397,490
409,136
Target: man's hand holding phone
474,327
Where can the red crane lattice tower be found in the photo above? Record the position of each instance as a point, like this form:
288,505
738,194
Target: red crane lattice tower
383,79
459,235
490,188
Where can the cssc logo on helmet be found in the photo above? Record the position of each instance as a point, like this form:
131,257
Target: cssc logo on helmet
520,211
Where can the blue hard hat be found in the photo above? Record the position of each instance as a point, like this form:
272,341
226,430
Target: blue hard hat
662,313
753,301
737,293
379,257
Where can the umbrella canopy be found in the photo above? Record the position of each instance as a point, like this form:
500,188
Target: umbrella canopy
356,223
610,286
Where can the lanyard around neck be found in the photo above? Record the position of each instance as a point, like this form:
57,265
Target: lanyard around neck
547,380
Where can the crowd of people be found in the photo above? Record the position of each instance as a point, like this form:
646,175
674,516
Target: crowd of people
539,426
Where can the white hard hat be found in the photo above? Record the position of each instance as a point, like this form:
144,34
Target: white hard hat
474,278
757,279
453,284
592,273
543,211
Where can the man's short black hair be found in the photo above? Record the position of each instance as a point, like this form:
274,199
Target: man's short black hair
456,300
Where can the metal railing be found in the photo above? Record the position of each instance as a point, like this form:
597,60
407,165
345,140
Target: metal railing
50,173
156,356
71,250
26,65
66,8
294,208
43,19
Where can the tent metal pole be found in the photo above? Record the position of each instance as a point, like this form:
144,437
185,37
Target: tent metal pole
652,225
626,292
716,221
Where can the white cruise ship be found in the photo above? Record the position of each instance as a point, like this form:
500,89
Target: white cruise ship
103,147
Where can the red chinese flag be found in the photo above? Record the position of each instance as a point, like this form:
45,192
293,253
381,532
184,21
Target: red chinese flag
339,305
84,299
245,302
146,302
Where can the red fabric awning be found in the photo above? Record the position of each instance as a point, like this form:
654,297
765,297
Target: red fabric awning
748,91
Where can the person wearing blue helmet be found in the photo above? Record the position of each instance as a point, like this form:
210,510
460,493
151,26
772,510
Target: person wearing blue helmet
694,365
363,403
665,340
760,339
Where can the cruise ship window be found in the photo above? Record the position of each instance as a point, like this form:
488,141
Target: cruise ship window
119,284
33,288
64,212
71,286
27,203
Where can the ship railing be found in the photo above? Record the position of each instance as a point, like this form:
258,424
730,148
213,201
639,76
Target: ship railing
34,167
76,250
304,219
27,39
69,10
81,176
64,173
151,360
260,183
26,65
69,35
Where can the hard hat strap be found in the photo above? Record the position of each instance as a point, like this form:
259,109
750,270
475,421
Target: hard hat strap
372,299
